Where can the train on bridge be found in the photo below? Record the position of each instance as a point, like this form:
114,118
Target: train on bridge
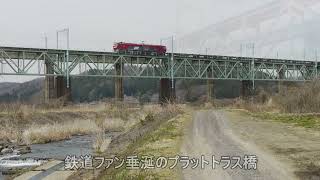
139,49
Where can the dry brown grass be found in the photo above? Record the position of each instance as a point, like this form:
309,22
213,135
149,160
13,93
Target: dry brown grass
12,125
58,131
299,99
119,111
16,112
101,142
61,131
173,108
110,124
158,139
8,132
169,110
304,99
253,105
261,102
30,124
148,118
14,109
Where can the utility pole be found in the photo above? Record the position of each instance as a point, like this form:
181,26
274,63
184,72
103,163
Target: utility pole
172,51
171,64
66,59
207,51
316,65
171,59
45,41
57,39
68,39
253,68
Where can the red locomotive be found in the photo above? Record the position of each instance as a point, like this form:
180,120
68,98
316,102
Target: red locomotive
139,49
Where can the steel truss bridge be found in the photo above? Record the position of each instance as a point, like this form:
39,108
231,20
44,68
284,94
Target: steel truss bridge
58,62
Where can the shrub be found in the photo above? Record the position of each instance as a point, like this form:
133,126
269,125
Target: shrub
303,99
148,118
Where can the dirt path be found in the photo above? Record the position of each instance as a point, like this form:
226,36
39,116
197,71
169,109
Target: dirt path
297,146
211,134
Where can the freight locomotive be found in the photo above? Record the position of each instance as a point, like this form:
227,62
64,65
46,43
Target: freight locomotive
139,49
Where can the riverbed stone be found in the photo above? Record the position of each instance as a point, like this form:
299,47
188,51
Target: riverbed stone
24,149
3,142
6,151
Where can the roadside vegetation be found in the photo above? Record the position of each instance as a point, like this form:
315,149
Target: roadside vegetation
302,120
296,105
23,124
164,141
58,131
26,124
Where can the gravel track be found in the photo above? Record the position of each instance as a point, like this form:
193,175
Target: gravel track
210,134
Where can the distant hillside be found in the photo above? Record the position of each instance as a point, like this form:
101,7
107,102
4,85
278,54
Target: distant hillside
25,92
84,89
7,87
88,89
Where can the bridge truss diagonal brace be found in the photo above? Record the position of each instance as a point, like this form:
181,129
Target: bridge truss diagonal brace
23,61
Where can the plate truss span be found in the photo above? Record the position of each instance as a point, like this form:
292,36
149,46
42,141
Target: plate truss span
52,62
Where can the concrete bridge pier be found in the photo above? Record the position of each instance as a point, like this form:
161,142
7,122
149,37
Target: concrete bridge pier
210,86
281,74
166,92
210,90
49,89
118,83
56,86
246,88
62,90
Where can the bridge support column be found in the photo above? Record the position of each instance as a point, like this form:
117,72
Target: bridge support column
246,88
166,92
281,74
49,89
56,87
210,86
210,90
62,90
118,83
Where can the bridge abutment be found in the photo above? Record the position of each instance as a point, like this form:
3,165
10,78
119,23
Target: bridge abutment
246,88
118,83
166,92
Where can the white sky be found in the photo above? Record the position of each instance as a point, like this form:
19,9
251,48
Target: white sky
96,24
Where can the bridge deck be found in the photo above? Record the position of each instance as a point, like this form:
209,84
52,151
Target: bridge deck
19,50
48,62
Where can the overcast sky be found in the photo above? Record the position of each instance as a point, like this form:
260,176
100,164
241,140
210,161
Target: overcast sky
96,24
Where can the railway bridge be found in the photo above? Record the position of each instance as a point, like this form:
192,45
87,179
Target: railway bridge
58,65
